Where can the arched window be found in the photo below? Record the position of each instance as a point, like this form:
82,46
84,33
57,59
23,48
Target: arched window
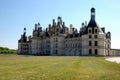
95,30
89,30
96,43
108,46
90,51
95,36
66,45
90,36
56,52
90,43
96,52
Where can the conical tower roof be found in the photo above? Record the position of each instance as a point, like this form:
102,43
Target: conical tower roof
92,23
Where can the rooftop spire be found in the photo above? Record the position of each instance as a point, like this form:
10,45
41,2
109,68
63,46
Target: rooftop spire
92,13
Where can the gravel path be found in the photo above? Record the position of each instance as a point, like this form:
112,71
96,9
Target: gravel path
114,59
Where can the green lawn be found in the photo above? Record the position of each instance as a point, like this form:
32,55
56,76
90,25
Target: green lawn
57,68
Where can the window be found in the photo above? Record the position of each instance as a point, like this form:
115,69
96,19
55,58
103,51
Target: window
90,43
90,31
95,36
66,45
57,34
90,36
76,45
56,40
96,30
96,43
56,52
96,52
56,45
80,53
108,46
57,30
79,44
108,53
90,51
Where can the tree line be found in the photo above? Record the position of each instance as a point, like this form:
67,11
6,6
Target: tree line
5,50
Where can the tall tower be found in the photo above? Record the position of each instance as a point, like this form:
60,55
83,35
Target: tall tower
95,42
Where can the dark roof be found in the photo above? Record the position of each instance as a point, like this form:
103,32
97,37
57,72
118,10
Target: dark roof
46,34
92,23
74,35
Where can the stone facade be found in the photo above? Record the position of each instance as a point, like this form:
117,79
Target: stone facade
115,52
59,40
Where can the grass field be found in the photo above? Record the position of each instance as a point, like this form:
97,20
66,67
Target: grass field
16,67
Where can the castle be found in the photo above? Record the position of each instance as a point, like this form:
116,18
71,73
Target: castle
59,40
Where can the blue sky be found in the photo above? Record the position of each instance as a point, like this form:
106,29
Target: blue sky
17,14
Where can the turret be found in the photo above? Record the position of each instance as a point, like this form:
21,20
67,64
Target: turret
108,35
38,25
24,31
23,37
71,28
83,25
92,26
54,23
59,21
92,13
63,24
39,28
35,27
29,38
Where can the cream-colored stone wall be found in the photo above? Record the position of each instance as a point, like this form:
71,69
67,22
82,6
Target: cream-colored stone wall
75,46
57,45
114,52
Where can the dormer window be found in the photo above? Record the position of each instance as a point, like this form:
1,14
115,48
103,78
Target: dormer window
90,36
96,30
89,30
95,36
